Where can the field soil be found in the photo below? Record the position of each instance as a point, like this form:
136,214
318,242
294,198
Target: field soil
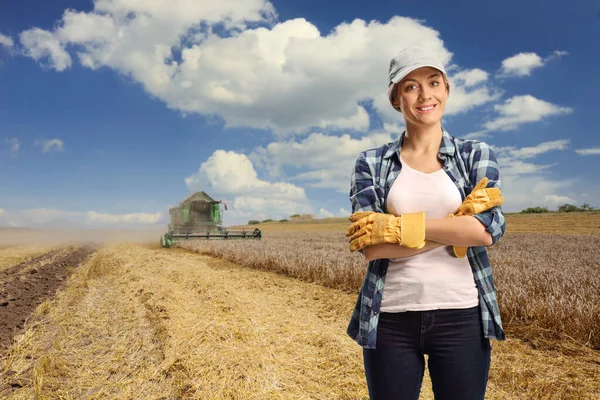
25,286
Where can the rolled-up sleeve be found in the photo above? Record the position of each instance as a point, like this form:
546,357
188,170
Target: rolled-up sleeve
484,164
364,195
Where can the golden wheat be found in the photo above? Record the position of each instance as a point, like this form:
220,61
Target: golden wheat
548,282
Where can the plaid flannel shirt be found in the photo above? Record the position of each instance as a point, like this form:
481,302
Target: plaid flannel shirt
466,162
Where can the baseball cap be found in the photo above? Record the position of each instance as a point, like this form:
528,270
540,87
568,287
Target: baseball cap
406,61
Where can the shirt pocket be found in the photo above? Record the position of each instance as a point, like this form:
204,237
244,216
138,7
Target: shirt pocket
367,199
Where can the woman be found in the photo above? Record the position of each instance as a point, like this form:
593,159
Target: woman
420,294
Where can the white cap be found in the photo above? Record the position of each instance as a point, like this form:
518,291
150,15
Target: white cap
407,61
410,59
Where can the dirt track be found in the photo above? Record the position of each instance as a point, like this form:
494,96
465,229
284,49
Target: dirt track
26,285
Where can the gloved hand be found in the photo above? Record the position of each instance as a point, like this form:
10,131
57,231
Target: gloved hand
479,200
371,228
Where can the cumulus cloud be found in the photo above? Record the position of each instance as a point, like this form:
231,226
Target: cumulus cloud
328,158
393,127
284,76
529,152
523,63
344,213
523,109
50,145
514,161
470,77
526,183
6,41
323,213
463,99
13,144
42,45
594,151
232,175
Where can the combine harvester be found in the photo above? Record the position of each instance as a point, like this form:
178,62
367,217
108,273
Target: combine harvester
199,217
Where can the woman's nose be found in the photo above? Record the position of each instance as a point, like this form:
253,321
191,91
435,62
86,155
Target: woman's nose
424,93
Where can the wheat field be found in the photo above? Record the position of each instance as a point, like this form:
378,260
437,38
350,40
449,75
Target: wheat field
267,319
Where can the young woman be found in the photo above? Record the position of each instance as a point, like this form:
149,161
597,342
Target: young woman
420,294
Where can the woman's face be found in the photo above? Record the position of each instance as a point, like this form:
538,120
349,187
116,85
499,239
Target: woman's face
422,96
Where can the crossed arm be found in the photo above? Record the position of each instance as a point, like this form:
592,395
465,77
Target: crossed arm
462,231
482,229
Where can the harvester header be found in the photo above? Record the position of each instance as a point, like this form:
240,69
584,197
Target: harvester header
198,216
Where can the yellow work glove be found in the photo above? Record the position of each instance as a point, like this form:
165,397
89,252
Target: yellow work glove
371,228
479,200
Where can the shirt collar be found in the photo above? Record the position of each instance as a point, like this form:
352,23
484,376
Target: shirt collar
446,146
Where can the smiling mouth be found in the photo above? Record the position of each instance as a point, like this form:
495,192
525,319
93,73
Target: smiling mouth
426,109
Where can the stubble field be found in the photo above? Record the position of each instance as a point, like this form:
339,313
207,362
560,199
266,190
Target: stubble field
267,319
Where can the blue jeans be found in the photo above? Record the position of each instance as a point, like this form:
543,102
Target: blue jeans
459,355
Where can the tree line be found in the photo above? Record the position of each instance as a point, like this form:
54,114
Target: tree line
563,208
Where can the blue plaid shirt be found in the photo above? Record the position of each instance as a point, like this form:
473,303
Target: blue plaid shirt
466,162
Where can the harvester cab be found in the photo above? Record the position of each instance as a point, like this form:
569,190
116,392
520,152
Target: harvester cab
199,217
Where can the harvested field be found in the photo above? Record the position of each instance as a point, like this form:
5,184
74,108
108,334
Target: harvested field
140,322
25,286
267,319
12,255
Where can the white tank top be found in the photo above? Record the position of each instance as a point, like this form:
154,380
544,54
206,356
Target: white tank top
434,279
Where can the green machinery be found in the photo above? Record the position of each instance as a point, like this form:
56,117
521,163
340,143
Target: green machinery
199,217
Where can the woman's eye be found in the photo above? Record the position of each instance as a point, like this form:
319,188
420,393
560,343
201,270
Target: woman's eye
435,83
411,87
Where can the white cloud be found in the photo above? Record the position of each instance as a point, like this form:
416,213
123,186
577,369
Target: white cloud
229,174
135,218
529,152
38,216
462,99
588,152
554,201
525,183
50,145
40,44
523,109
523,63
6,41
323,213
344,213
394,128
513,160
555,55
476,135
1,211
14,144
328,158
535,190
285,76
62,218
470,77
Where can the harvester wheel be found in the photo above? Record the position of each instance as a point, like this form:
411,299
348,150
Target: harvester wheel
165,242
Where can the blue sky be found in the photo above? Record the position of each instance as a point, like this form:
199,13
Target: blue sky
111,111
